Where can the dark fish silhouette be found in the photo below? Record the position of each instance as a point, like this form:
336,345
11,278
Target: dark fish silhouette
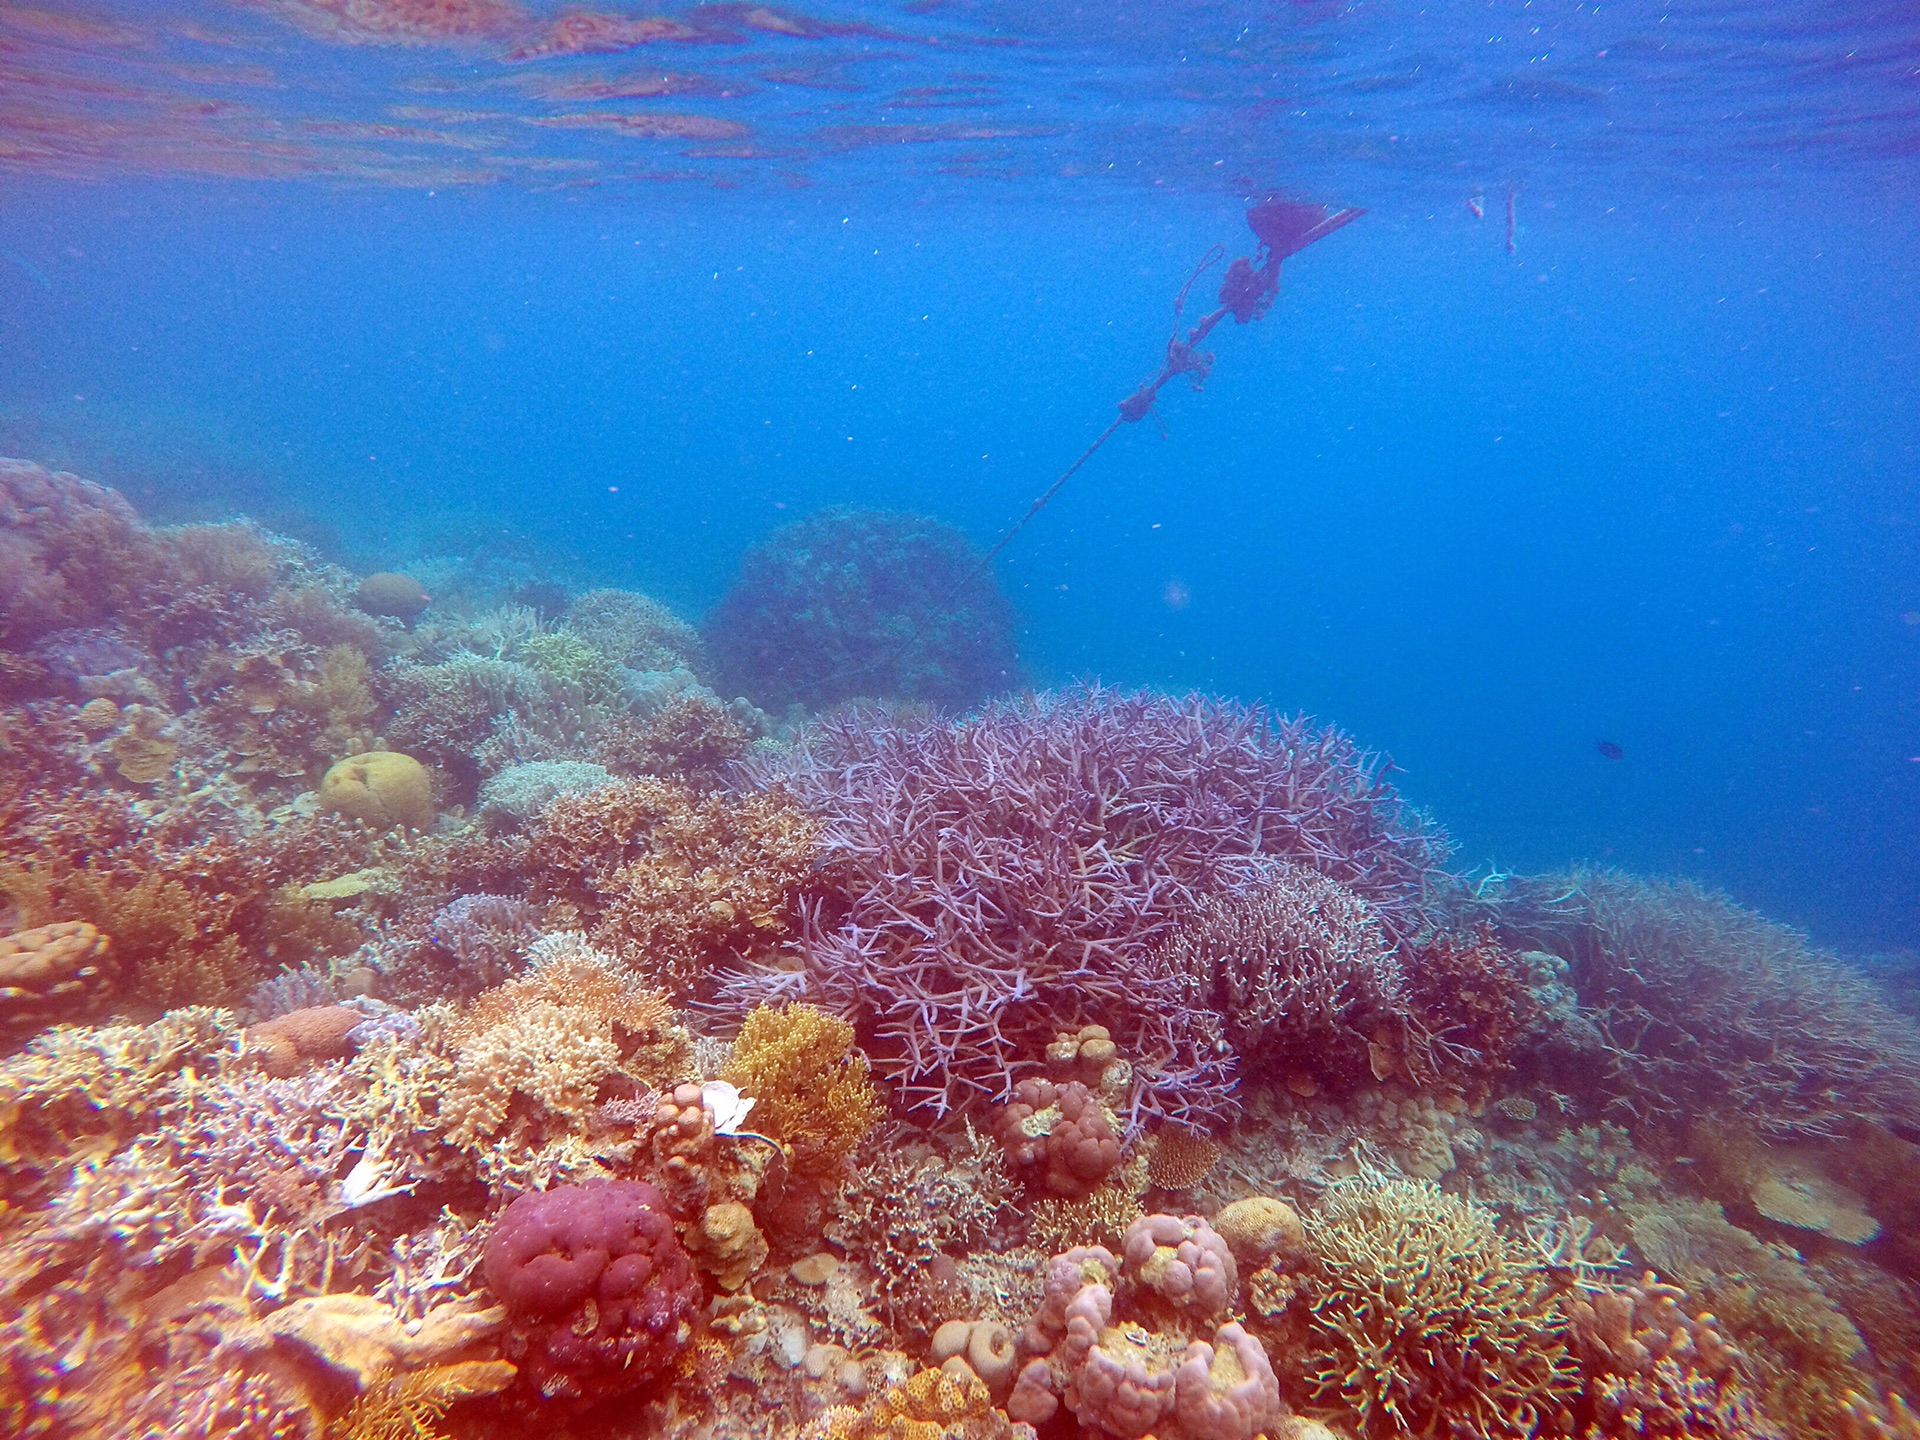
1609,750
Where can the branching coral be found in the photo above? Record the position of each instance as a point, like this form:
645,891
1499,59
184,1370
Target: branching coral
1473,1000
634,630
1295,971
689,734
675,882
1712,1010
863,602
1008,874
1430,1317
533,1055
809,1083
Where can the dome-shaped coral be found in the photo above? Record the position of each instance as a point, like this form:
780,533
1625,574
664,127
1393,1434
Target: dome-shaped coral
597,1287
381,788
389,593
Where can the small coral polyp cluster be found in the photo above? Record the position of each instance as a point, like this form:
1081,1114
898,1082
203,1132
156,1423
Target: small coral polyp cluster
436,1016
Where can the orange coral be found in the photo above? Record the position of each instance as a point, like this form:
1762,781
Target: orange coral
692,735
674,880
579,984
809,1082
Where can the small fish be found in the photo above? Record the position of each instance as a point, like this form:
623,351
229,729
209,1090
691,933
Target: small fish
1478,205
1609,751
1512,195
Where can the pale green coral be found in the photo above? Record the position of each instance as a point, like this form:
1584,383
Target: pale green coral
1430,1318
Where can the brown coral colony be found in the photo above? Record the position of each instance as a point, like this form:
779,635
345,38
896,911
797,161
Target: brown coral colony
453,1015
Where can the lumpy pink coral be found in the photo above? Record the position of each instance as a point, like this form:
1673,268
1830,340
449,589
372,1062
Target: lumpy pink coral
1009,873
599,1290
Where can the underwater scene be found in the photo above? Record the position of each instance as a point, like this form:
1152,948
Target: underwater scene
950,720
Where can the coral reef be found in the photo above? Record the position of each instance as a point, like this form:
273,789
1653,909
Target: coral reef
876,603
1009,873
1097,1060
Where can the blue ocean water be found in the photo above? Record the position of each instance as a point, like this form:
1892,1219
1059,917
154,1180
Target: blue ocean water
412,280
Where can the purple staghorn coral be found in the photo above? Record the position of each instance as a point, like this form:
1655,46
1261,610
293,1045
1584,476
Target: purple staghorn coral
1005,876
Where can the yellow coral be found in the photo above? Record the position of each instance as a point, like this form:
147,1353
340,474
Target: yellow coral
810,1083
929,1405
381,788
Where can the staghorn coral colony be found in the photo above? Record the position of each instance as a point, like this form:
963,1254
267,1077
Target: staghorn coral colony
453,1017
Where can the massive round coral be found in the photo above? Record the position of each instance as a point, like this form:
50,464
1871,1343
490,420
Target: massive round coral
597,1287
851,602
1007,876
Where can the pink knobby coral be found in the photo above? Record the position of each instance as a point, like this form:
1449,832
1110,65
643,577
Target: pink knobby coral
599,1292
1005,876
1058,1136
1117,1376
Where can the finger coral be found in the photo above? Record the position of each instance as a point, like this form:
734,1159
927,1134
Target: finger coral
1008,874
809,1082
1429,1317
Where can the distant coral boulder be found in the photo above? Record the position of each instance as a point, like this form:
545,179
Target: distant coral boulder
390,593
852,602
381,788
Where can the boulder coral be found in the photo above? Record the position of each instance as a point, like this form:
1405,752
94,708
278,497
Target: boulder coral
1124,1378
382,789
599,1294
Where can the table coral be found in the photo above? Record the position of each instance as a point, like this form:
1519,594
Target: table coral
1007,875
809,1082
1713,1011
1427,1315
599,1293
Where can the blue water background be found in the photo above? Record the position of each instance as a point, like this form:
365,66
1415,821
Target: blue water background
1653,478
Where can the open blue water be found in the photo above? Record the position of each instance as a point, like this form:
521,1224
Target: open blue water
1652,477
